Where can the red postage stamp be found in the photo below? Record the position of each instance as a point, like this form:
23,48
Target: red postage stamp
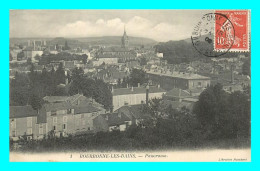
235,29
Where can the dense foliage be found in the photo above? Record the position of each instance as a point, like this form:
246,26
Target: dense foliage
224,115
32,87
48,58
183,51
97,89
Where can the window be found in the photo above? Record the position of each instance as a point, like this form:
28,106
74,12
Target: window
54,128
29,131
14,133
65,118
53,112
13,123
54,120
29,121
199,84
40,130
89,128
64,126
69,111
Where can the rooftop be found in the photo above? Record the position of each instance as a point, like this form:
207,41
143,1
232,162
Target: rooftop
22,111
85,109
176,92
137,90
190,76
135,111
114,119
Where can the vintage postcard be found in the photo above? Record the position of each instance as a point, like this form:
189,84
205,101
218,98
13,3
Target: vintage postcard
130,86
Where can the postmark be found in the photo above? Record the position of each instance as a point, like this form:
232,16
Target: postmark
211,28
241,24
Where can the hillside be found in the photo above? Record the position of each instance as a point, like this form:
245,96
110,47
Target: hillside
183,51
86,41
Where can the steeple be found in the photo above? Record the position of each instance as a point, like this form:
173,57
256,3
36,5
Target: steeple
124,40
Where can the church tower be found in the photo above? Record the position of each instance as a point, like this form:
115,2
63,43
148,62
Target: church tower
125,40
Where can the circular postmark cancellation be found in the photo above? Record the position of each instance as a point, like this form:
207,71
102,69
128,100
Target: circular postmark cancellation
213,30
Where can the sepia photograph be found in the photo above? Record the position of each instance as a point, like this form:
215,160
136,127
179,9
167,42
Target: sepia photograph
130,85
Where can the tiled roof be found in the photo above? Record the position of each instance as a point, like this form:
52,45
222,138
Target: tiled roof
176,92
114,119
57,106
115,49
116,56
189,76
136,90
52,99
175,104
85,109
28,111
22,111
131,111
70,99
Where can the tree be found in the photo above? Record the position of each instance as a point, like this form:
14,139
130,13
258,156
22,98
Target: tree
84,58
137,76
223,115
246,68
29,61
20,56
60,74
143,61
35,101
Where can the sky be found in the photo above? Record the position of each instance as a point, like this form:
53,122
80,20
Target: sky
160,25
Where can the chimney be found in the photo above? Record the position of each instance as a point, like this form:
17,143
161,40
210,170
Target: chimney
147,93
126,85
112,90
66,81
138,84
132,89
158,86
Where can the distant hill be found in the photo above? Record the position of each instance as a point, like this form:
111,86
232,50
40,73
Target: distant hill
183,51
116,40
86,41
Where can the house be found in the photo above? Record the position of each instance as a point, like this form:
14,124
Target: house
135,95
30,52
83,118
134,113
172,79
25,122
105,58
111,122
59,116
111,75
